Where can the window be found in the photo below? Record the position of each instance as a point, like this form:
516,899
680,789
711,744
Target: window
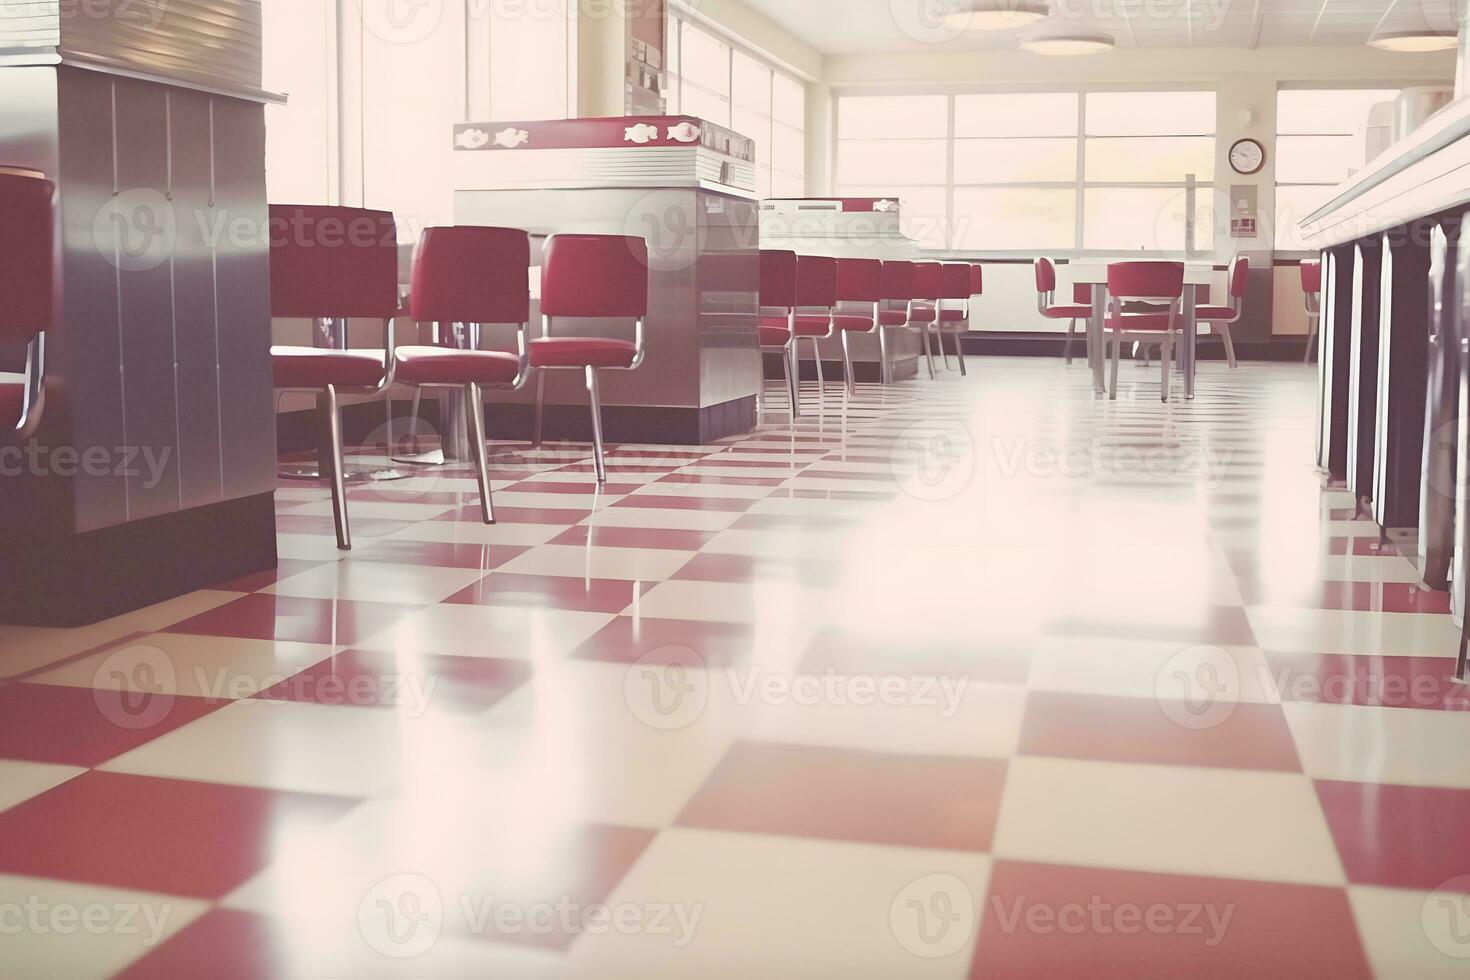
714,80
1321,140
299,38
1035,170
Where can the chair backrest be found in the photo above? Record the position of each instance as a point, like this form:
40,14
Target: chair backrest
778,278
468,274
1082,293
29,263
1145,279
594,275
897,281
860,280
977,279
333,262
928,280
1240,276
816,281
1312,276
954,281
1046,275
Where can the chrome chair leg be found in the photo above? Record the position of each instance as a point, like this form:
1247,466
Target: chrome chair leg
1117,353
959,352
790,365
817,355
339,488
1166,364
943,350
847,365
885,370
598,464
1067,346
540,408
474,408
1311,336
928,352
1223,329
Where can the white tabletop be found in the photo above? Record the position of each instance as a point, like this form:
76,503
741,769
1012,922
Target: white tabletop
1096,273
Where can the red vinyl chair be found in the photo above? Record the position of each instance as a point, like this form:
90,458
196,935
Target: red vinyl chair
1220,317
29,264
928,289
816,292
895,286
1047,306
331,265
470,276
1312,297
778,315
1158,284
591,276
859,281
958,284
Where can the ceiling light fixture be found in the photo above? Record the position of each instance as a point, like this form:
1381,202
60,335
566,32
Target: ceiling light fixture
1413,42
996,15
1068,45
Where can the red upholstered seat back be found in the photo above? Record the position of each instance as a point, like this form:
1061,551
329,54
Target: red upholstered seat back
928,280
1240,274
29,266
977,279
1082,293
1046,276
897,281
816,281
778,278
954,282
468,274
859,280
594,275
1312,277
333,262
1146,278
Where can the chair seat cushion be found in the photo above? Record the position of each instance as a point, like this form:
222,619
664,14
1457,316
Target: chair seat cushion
316,367
892,318
952,316
582,352
774,331
855,322
446,366
1068,311
812,325
12,400
1139,322
1214,313
922,314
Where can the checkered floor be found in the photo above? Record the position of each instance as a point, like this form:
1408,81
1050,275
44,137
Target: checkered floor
975,678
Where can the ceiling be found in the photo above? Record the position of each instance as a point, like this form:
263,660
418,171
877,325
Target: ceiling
854,26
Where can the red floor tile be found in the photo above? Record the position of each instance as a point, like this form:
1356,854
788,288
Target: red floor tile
1399,836
517,515
1043,920
377,679
673,539
846,652
1390,682
1110,729
440,554
852,795
665,501
553,591
287,618
722,481
177,837
235,945
628,639
563,486
325,525
78,726
285,568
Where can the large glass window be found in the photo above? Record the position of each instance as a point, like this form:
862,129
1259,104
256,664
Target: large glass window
1035,170
1321,140
299,39
714,80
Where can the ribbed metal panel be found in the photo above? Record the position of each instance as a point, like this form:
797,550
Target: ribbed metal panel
210,43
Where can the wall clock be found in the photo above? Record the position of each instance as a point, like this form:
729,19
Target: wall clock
1247,156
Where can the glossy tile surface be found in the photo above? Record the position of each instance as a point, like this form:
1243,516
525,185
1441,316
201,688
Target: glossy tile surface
983,677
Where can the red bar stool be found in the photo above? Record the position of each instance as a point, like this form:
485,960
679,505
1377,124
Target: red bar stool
1160,284
1047,306
470,276
958,284
816,291
586,276
1312,297
29,261
1220,317
778,315
896,285
330,265
928,288
858,281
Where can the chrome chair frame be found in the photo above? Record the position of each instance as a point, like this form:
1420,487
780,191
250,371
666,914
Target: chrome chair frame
1117,338
34,402
593,391
789,360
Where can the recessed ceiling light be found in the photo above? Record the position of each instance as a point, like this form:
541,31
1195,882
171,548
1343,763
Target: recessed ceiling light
997,15
1067,45
1414,42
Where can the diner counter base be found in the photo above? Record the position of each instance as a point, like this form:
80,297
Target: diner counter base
76,580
